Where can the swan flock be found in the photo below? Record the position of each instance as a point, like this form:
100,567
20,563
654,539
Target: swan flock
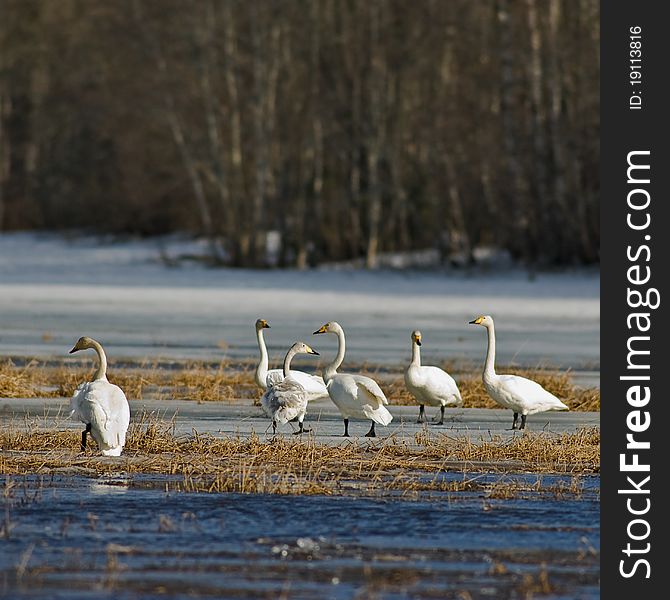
104,410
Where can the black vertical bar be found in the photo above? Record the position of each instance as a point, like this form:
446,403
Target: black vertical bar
634,118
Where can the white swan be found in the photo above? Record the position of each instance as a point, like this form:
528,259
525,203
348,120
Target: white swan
512,391
430,385
312,384
101,405
355,395
287,399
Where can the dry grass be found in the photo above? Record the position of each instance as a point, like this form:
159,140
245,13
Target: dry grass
20,382
225,382
287,466
191,381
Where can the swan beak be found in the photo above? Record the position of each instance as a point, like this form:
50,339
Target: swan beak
73,350
322,329
418,342
477,321
312,351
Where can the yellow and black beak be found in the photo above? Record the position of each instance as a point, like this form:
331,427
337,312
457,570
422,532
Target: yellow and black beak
321,329
477,321
312,351
75,349
418,341
265,325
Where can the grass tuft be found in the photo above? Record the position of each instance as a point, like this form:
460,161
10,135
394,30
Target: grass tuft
225,382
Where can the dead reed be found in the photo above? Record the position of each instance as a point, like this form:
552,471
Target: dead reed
287,466
225,382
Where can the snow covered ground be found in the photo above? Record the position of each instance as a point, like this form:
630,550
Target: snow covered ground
53,290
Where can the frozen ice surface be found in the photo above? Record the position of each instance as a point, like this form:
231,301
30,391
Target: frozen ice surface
52,290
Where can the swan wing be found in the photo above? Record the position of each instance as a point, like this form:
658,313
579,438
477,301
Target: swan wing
77,400
372,401
529,395
359,396
274,377
435,386
285,401
105,407
312,384
370,389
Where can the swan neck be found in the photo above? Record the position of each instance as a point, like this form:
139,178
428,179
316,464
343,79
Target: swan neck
262,368
101,373
331,369
416,354
489,366
287,362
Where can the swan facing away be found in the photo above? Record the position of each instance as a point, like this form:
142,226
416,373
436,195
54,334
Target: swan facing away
523,396
354,395
101,405
430,385
287,399
312,384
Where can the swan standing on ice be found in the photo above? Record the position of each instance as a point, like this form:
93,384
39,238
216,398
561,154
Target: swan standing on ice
355,395
522,395
430,385
312,384
287,399
101,405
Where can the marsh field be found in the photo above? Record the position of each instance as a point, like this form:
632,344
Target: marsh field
204,502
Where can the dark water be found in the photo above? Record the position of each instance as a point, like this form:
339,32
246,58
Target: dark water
73,537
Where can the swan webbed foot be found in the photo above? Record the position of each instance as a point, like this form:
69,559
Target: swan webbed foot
301,429
441,421
371,433
523,422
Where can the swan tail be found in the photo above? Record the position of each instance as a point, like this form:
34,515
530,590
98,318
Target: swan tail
379,415
286,414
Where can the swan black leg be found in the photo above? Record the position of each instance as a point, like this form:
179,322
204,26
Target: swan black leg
441,421
346,428
422,418
301,429
274,427
516,418
523,422
83,437
371,433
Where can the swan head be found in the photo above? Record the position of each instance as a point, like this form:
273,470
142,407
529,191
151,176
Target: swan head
416,337
483,320
330,327
83,343
262,324
302,348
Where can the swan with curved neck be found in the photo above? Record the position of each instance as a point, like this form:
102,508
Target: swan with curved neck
287,399
101,405
354,395
430,385
264,378
524,396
